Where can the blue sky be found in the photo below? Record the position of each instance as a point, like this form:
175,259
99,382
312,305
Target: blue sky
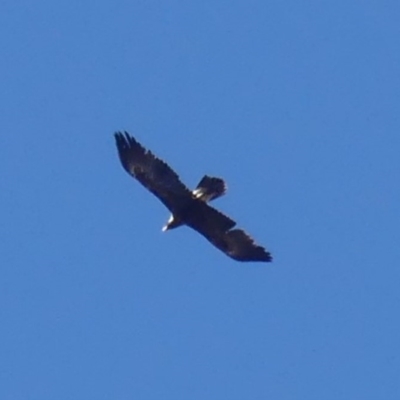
295,104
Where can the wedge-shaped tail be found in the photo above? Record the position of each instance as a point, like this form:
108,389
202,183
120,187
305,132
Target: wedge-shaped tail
209,188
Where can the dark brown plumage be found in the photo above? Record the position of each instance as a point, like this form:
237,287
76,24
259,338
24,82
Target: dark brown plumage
188,207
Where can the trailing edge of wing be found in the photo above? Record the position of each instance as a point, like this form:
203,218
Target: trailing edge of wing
242,247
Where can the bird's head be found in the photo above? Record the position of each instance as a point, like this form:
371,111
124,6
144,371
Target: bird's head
171,223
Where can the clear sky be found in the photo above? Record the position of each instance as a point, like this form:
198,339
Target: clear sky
295,104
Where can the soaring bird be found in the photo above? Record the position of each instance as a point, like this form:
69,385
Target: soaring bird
188,207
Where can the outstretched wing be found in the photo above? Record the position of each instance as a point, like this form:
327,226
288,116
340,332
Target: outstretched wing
240,246
209,188
235,243
153,173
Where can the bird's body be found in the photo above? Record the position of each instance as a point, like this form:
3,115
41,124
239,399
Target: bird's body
209,188
188,207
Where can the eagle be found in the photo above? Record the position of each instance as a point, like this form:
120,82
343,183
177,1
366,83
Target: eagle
188,207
